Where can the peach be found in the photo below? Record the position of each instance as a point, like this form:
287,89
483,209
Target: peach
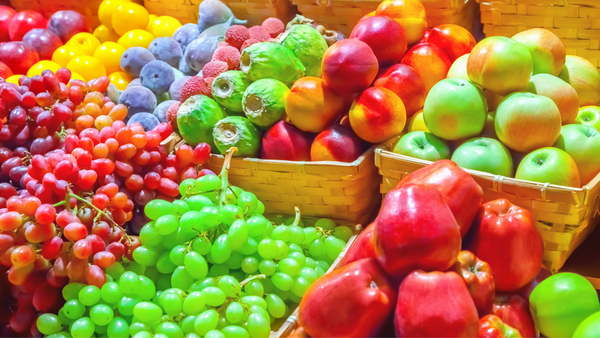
349,66
385,37
337,143
429,61
584,77
283,141
546,49
500,64
410,14
458,70
377,115
454,40
312,105
563,94
407,84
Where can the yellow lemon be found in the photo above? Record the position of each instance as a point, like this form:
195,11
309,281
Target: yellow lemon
110,55
14,79
63,54
136,38
129,16
37,68
76,76
85,41
105,34
120,79
106,10
150,21
88,67
164,26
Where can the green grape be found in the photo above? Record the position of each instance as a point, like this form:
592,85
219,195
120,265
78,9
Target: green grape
181,206
135,267
152,272
294,299
214,334
187,324
230,213
325,223
267,248
143,334
167,224
172,304
192,221
300,286
169,241
232,194
126,305
195,265
259,310
282,250
129,283
100,329
211,217
197,202
176,291
250,247
310,263
169,329
220,250
282,281
230,286
208,183
255,300
187,186
148,313
248,202
194,303
343,233
109,278
149,235
294,247
61,334
115,270
201,245
82,328
71,290
181,278
206,321
291,221
164,263
156,208
193,335
258,326
254,288
74,309
250,265
222,323
89,295
147,289
235,261
164,282
267,267
63,318
319,270
289,266
281,232
101,314
310,234
145,256
234,313
334,247
323,265
137,327
299,257
309,274
177,255
49,323
297,235
268,285
214,296
275,305
184,234
257,225
283,294
213,196
233,331
238,234
260,209
317,248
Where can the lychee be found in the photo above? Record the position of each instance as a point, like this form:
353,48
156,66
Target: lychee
259,33
274,26
236,35
229,55
214,68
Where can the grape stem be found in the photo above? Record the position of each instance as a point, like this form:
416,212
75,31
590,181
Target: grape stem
297,219
251,278
224,175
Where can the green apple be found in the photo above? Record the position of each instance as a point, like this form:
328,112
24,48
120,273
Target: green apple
589,115
549,165
458,70
455,109
589,328
582,143
484,154
423,145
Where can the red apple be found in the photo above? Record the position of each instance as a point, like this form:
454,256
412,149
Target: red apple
385,37
285,142
429,61
6,14
352,301
362,247
5,71
349,66
454,40
435,304
405,82
337,143
514,311
18,55
43,41
65,24
415,229
506,238
23,22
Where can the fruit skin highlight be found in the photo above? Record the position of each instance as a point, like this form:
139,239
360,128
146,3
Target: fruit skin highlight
377,115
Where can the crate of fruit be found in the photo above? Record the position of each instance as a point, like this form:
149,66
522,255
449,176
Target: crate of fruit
574,22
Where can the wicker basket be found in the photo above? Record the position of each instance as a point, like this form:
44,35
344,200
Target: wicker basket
255,11
336,190
342,15
26,5
575,22
564,216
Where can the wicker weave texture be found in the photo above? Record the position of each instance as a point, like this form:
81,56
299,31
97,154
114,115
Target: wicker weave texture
564,216
26,5
575,22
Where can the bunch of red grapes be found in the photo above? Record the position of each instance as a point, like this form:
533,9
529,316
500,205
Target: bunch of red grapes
73,182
